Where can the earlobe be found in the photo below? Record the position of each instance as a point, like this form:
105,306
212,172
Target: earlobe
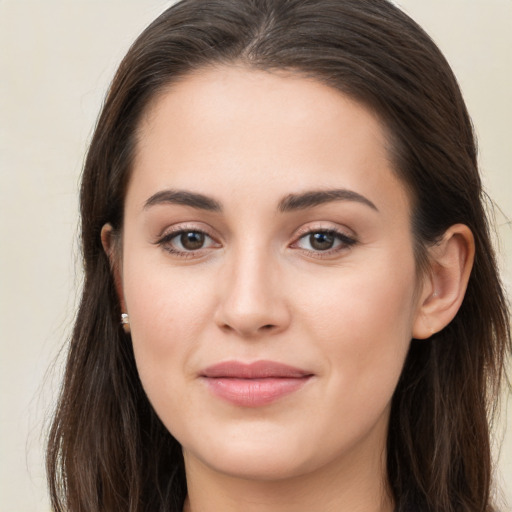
112,252
444,287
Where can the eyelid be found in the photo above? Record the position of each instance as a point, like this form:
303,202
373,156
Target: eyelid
314,227
347,240
184,226
163,240
346,237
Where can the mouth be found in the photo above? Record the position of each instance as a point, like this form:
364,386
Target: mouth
255,384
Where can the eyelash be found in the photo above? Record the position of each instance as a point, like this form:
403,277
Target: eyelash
166,239
345,241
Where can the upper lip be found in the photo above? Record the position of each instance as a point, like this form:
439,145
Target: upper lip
254,370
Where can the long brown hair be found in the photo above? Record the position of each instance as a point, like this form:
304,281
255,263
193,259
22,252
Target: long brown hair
107,449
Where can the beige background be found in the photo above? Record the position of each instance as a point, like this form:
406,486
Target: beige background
56,59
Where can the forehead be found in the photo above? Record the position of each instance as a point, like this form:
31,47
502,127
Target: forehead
236,126
227,97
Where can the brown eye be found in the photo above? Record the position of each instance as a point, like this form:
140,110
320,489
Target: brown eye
321,241
326,241
187,243
192,240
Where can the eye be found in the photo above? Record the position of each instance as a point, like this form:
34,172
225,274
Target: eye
326,241
190,240
185,242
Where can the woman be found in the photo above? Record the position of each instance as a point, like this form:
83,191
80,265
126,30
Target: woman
291,301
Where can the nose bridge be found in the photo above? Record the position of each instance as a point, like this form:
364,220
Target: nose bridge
251,299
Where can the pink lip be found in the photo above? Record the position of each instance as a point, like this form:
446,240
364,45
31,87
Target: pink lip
254,384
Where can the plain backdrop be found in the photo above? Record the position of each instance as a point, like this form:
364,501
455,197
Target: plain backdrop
56,60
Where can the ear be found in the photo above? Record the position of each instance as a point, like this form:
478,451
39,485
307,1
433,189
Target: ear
451,261
112,250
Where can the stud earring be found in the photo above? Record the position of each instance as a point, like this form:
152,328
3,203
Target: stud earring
125,322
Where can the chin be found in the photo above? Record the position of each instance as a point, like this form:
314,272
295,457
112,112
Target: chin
259,465
267,451
264,457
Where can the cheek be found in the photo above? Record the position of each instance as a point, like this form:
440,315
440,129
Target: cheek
168,312
162,300
363,320
371,301
362,327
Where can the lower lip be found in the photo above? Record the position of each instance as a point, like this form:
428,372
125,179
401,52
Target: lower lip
254,392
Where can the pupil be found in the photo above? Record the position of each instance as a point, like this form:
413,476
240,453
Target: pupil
192,240
321,241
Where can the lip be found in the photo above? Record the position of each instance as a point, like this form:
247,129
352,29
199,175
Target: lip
254,384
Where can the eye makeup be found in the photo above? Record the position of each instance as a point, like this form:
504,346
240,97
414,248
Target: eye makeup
189,241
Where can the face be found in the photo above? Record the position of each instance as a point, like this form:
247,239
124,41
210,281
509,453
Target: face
268,273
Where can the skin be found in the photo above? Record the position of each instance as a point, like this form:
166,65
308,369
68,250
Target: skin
259,289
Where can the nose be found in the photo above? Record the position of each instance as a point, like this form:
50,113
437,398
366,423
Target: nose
252,301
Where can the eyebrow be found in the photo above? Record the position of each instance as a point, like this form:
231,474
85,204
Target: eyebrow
185,198
292,202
